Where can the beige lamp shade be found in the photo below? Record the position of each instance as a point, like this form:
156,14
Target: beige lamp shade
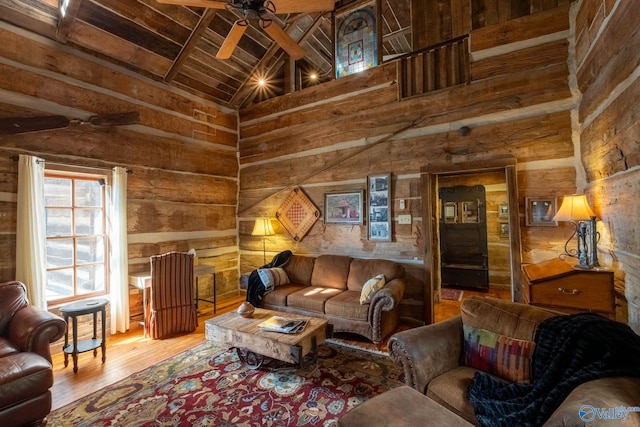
263,227
574,208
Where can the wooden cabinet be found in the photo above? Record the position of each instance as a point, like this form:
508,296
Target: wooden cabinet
558,285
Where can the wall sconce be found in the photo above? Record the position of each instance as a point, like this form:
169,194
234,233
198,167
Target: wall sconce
263,228
576,210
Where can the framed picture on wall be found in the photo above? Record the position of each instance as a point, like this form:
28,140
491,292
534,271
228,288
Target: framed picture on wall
539,211
379,207
343,207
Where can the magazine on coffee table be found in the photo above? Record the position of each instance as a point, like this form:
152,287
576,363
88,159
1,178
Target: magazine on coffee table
283,325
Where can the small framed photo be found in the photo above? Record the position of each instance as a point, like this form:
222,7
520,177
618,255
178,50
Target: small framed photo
503,210
503,229
539,211
343,207
379,207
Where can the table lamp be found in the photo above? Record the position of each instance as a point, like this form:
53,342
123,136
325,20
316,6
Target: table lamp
576,210
263,228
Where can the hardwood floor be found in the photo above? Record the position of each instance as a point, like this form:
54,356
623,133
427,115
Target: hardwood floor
131,352
126,354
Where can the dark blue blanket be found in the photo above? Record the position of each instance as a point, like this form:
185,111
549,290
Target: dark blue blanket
255,289
570,350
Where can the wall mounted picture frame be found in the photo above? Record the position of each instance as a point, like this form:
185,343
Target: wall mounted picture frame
343,207
503,230
379,207
503,210
539,211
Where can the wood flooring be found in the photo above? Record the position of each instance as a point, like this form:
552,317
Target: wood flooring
130,352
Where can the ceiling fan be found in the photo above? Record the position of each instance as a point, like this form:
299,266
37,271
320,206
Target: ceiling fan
17,125
261,10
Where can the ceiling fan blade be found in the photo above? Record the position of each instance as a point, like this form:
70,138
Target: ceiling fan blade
116,119
300,6
284,40
197,3
14,126
232,39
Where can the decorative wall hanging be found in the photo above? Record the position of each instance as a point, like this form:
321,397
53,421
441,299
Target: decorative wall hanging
379,208
297,214
343,207
540,211
357,38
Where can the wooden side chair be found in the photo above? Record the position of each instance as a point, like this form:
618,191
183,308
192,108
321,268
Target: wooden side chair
172,305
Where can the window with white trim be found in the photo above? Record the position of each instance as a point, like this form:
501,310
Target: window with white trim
77,256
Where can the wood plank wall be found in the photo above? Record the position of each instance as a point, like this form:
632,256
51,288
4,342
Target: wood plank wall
325,139
608,79
182,192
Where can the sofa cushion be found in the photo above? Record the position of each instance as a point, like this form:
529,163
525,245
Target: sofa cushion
362,270
278,297
370,287
450,390
331,271
299,269
311,298
23,376
272,277
14,298
518,321
346,305
506,357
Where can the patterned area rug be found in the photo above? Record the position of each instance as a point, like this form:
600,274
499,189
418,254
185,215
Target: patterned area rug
208,386
451,294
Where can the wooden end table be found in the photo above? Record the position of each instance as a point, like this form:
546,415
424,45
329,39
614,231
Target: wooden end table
74,310
244,334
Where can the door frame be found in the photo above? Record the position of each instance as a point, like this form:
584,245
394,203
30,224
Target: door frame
429,177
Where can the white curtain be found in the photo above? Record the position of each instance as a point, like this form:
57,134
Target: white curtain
31,263
119,256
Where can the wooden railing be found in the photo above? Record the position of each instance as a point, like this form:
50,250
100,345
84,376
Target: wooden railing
435,67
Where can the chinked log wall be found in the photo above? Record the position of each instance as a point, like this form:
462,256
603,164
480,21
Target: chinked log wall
182,193
608,75
515,104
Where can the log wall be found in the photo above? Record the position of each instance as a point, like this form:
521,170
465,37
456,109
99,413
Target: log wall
182,189
609,82
330,137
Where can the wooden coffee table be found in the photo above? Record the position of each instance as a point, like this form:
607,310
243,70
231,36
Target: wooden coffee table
252,344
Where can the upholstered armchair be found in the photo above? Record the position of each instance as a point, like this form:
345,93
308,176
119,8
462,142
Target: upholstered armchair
173,304
26,374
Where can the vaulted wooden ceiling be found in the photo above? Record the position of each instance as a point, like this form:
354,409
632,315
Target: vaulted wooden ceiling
178,44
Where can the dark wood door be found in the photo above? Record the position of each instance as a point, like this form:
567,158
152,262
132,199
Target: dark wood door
463,237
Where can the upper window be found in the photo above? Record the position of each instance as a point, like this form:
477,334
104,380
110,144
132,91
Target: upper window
76,236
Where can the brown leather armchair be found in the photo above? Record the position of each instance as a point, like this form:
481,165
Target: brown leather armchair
26,374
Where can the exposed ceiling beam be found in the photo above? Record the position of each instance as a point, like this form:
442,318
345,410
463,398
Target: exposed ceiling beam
66,20
190,44
247,93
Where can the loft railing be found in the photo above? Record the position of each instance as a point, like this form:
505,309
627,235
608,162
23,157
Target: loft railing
435,67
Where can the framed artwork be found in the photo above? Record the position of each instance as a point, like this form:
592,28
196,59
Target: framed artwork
503,210
379,207
357,38
343,207
503,229
539,211
297,214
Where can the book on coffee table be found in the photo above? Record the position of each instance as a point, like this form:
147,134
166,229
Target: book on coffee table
284,325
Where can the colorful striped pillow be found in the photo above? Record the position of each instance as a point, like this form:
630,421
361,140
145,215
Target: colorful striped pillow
506,357
272,277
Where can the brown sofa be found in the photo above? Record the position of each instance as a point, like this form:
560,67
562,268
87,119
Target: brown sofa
329,287
432,360
26,373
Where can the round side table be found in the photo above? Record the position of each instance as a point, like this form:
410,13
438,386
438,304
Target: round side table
74,310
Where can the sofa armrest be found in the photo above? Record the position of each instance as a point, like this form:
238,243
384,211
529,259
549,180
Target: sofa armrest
33,329
428,351
388,297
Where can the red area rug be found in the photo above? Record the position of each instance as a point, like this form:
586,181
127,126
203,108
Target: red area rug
450,294
209,386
